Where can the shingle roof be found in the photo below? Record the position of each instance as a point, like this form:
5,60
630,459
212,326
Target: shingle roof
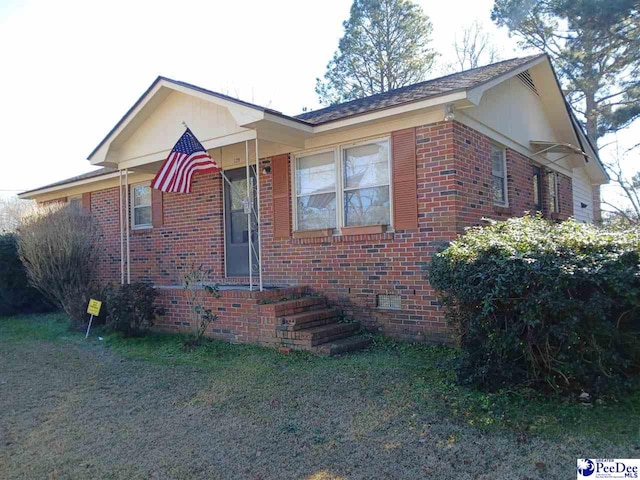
411,93
418,91
96,173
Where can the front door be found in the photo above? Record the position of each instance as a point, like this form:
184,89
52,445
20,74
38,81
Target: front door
236,225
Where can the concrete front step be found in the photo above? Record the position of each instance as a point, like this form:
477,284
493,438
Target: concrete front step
344,345
311,318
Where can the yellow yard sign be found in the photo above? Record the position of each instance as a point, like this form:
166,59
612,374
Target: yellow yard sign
94,307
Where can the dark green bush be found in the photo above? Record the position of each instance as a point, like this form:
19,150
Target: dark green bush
16,295
543,304
131,309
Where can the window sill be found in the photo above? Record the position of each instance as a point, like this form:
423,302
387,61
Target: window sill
363,230
141,230
504,210
321,232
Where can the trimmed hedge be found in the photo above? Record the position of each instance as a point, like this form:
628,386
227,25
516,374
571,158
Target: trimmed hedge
16,295
543,304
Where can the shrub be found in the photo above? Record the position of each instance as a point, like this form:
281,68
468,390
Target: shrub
16,295
543,304
131,309
59,249
197,284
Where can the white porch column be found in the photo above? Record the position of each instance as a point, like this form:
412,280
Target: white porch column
249,212
258,215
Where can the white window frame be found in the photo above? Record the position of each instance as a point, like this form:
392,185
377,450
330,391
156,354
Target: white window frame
294,176
132,206
338,155
504,164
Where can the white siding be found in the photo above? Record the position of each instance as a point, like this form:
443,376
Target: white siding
163,127
582,193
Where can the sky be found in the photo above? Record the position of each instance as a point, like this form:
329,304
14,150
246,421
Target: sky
71,69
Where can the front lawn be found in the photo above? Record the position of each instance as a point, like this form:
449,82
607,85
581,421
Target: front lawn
144,408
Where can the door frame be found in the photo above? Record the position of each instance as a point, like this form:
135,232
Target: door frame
224,222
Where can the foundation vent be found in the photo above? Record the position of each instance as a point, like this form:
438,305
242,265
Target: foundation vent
525,77
388,302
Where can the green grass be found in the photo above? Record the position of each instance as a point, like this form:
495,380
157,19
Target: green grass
413,377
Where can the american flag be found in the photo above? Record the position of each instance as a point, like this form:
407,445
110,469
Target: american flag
187,157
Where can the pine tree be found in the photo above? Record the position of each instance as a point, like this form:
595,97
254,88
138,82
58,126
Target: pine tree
595,47
385,46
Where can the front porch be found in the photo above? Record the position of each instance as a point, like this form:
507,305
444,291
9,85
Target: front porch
279,316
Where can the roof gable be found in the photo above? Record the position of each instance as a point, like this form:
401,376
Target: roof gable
455,82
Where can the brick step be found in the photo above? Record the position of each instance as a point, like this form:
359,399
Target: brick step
344,345
310,318
326,333
292,307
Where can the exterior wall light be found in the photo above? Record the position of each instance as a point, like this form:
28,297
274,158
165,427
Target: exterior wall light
448,112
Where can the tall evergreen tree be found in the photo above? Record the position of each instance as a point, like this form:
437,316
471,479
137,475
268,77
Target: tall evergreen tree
385,46
595,47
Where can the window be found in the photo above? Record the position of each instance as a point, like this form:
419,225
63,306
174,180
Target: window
537,188
498,170
347,186
75,202
366,185
553,192
316,191
140,206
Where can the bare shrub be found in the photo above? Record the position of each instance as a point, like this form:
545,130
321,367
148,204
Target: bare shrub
59,249
197,284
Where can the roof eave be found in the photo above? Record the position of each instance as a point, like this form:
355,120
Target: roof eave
32,194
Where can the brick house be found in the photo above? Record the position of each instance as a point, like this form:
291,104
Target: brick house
352,199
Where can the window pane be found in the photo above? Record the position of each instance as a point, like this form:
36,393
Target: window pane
366,165
141,195
316,173
498,189
317,211
238,194
239,228
367,206
142,216
497,160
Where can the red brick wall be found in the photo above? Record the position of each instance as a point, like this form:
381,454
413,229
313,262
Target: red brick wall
453,189
475,200
105,208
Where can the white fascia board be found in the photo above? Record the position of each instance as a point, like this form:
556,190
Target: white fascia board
65,186
475,94
460,96
289,123
100,155
242,114
208,144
